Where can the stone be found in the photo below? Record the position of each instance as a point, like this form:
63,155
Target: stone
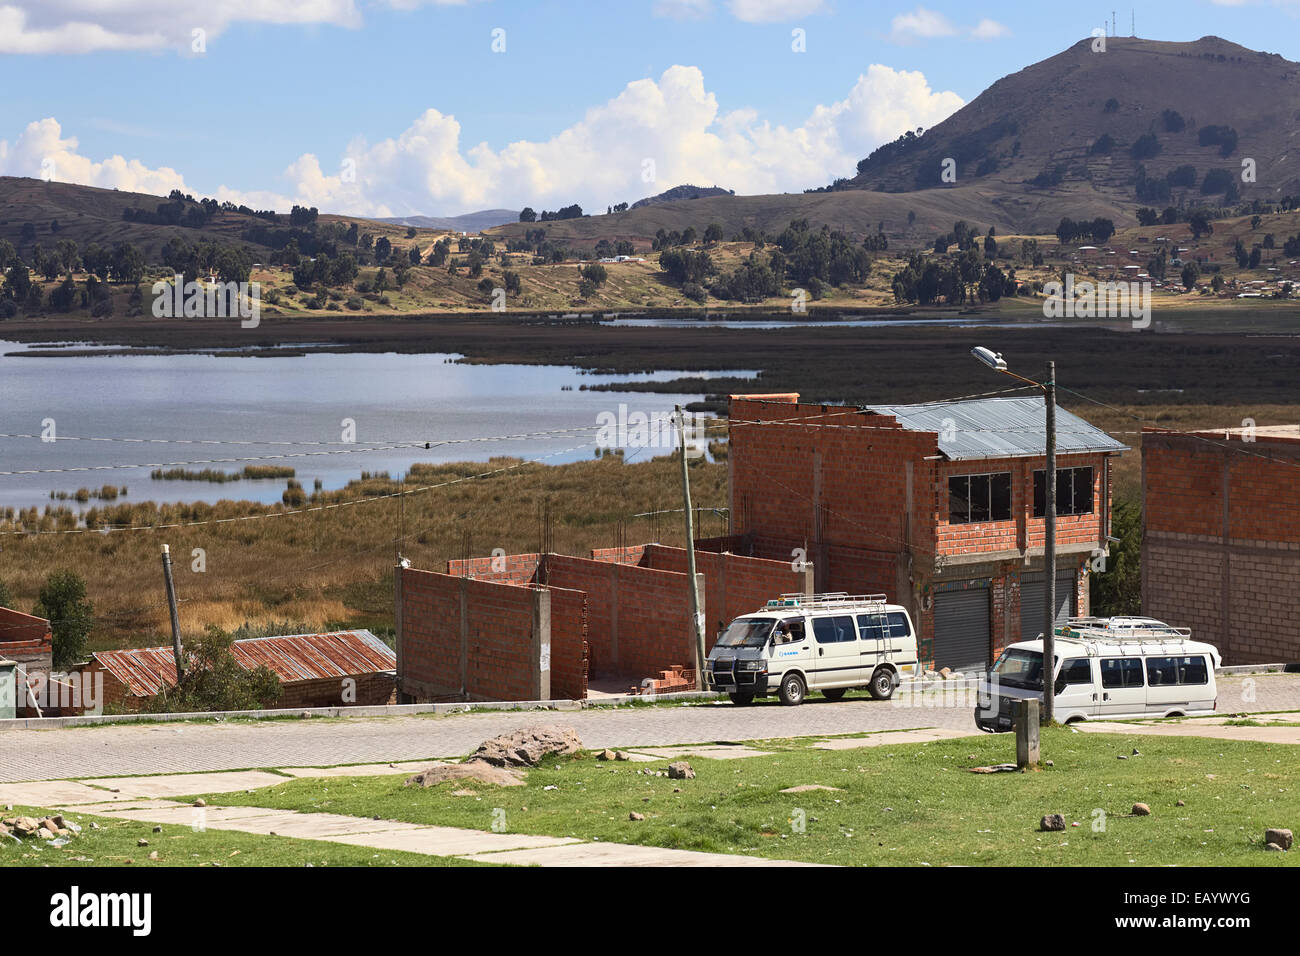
1181,803
526,747
1272,848
622,755
1052,821
806,787
45,834
153,854
945,672
475,770
142,842
681,770
49,825
606,755
200,802
1281,837
636,816
58,820
996,768
157,829
1141,810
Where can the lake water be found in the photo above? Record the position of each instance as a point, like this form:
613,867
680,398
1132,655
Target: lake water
391,398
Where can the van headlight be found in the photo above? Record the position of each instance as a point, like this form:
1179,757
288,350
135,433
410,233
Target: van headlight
752,666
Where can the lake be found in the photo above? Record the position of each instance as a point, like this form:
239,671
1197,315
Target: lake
391,398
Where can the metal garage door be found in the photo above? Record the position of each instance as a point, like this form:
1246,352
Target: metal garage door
1032,596
961,629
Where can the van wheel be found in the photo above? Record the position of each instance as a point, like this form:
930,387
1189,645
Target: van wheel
882,684
741,699
792,690
834,693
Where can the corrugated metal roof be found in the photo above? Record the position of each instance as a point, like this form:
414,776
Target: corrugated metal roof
1013,427
292,657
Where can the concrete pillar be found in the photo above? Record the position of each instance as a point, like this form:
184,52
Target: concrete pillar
397,627
540,653
809,578
1027,750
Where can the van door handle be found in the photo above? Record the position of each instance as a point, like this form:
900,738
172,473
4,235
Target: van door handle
1094,696
821,651
1105,696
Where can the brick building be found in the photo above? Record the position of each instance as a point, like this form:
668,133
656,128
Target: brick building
939,506
537,626
1221,538
28,643
336,669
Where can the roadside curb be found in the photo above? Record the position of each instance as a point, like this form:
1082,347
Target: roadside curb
384,710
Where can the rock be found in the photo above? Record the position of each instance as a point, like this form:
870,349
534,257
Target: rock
945,672
200,802
1281,837
622,755
141,842
58,820
636,816
1122,757
1048,763
95,826
526,747
806,787
681,770
1272,848
475,770
1141,810
996,768
606,755
153,854
1180,803
25,826
49,825
4,830
45,834
1052,821
157,829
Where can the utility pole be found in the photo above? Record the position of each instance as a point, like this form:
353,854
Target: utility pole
1049,551
696,623
171,604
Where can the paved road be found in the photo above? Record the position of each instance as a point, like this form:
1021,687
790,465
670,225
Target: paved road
127,749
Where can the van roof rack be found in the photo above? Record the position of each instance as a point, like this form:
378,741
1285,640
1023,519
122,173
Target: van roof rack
1128,635
829,599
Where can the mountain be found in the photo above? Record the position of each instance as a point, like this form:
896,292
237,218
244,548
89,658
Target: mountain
1100,120
469,222
683,192
1074,135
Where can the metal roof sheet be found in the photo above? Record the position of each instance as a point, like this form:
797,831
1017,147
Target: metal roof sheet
1008,427
292,657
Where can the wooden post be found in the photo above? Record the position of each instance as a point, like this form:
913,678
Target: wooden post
1027,753
171,606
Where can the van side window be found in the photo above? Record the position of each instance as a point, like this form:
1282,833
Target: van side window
1164,671
898,625
830,630
1076,670
1121,672
872,627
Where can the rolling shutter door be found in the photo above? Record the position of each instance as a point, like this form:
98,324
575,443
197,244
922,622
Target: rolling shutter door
961,628
1032,596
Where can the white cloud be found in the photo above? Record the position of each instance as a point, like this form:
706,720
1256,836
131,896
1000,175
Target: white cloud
42,148
85,26
988,29
920,24
774,11
675,122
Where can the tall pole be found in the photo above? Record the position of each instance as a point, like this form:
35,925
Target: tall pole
171,604
696,623
1049,552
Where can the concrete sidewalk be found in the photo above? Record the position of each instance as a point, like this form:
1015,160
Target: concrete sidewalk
1215,728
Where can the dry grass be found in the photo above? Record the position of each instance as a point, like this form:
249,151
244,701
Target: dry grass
333,568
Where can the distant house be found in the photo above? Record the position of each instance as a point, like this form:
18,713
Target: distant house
335,669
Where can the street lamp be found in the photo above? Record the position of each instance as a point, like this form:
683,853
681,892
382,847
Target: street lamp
995,361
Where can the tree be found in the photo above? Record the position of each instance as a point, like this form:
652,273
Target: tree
18,282
1199,220
713,233
528,214
596,274
414,255
1147,216
1118,589
383,249
127,264
62,601
1190,274
215,680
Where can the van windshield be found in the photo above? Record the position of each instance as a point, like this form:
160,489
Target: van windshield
1020,668
747,632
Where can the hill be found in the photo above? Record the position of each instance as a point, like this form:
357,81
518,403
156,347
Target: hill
1080,134
469,222
686,191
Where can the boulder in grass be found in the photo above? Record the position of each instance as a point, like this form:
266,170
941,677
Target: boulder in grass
1052,821
1281,837
476,770
527,747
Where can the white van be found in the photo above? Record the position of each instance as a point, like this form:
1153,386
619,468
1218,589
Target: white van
822,642
1105,672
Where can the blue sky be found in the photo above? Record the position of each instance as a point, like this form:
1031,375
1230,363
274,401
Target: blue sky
583,96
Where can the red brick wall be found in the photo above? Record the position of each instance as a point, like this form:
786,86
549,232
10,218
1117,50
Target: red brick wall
638,619
507,569
1228,570
568,644
371,690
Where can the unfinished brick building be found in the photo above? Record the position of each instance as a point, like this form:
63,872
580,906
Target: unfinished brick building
537,626
939,506
28,643
1221,538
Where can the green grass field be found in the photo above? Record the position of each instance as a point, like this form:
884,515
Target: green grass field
906,805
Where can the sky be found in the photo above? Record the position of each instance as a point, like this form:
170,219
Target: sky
441,107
